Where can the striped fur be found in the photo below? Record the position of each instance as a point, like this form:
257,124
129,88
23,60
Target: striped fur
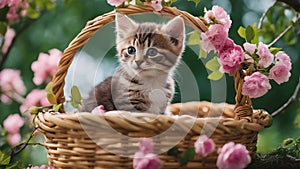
148,54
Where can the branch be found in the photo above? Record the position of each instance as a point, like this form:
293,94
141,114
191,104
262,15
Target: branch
260,23
17,149
293,3
285,31
292,99
5,55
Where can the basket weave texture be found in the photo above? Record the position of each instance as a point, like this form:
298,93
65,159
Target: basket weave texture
82,140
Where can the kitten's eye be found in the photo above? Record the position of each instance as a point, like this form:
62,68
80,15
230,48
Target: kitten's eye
131,50
152,52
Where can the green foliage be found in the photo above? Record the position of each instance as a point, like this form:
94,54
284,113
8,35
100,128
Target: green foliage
4,158
50,95
75,97
250,33
187,156
3,13
194,38
173,151
214,66
3,28
196,1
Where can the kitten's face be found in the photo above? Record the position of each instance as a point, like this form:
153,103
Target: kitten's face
148,49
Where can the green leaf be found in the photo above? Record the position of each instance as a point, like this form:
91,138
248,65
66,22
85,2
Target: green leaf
75,94
32,13
56,107
215,75
173,151
297,121
274,50
4,158
3,28
213,64
249,33
202,54
49,88
256,34
51,98
287,142
33,110
196,1
194,38
12,166
75,97
187,156
242,32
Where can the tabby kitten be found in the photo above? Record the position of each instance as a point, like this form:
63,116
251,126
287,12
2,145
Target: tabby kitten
148,54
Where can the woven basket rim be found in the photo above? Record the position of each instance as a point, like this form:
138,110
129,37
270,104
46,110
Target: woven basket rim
261,118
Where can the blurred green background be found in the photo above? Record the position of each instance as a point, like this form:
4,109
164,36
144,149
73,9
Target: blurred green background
56,29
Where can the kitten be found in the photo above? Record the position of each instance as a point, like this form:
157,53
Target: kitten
148,54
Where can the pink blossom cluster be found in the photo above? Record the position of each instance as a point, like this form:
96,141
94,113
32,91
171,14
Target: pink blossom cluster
40,167
231,155
17,8
204,146
12,124
35,98
278,66
156,4
45,67
145,158
11,85
216,38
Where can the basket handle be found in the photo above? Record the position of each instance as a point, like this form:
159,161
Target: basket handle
95,24
243,105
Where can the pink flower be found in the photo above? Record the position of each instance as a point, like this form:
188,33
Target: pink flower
35,98
146,146
214,38
265,56
9,36
14,2
256,85
231,59
45,67
233,156
204,146
146,161
13,123
156,4
280,72
99,110
220,15
249,47
283,58
14,139
3,3
115,2
11,84
41,167
144,158
12,15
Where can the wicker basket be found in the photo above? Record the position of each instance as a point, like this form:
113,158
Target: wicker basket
84,140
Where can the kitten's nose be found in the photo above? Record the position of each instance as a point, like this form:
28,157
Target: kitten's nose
139,62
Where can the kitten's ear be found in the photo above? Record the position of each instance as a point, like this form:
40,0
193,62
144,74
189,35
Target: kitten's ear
175,29
124,25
